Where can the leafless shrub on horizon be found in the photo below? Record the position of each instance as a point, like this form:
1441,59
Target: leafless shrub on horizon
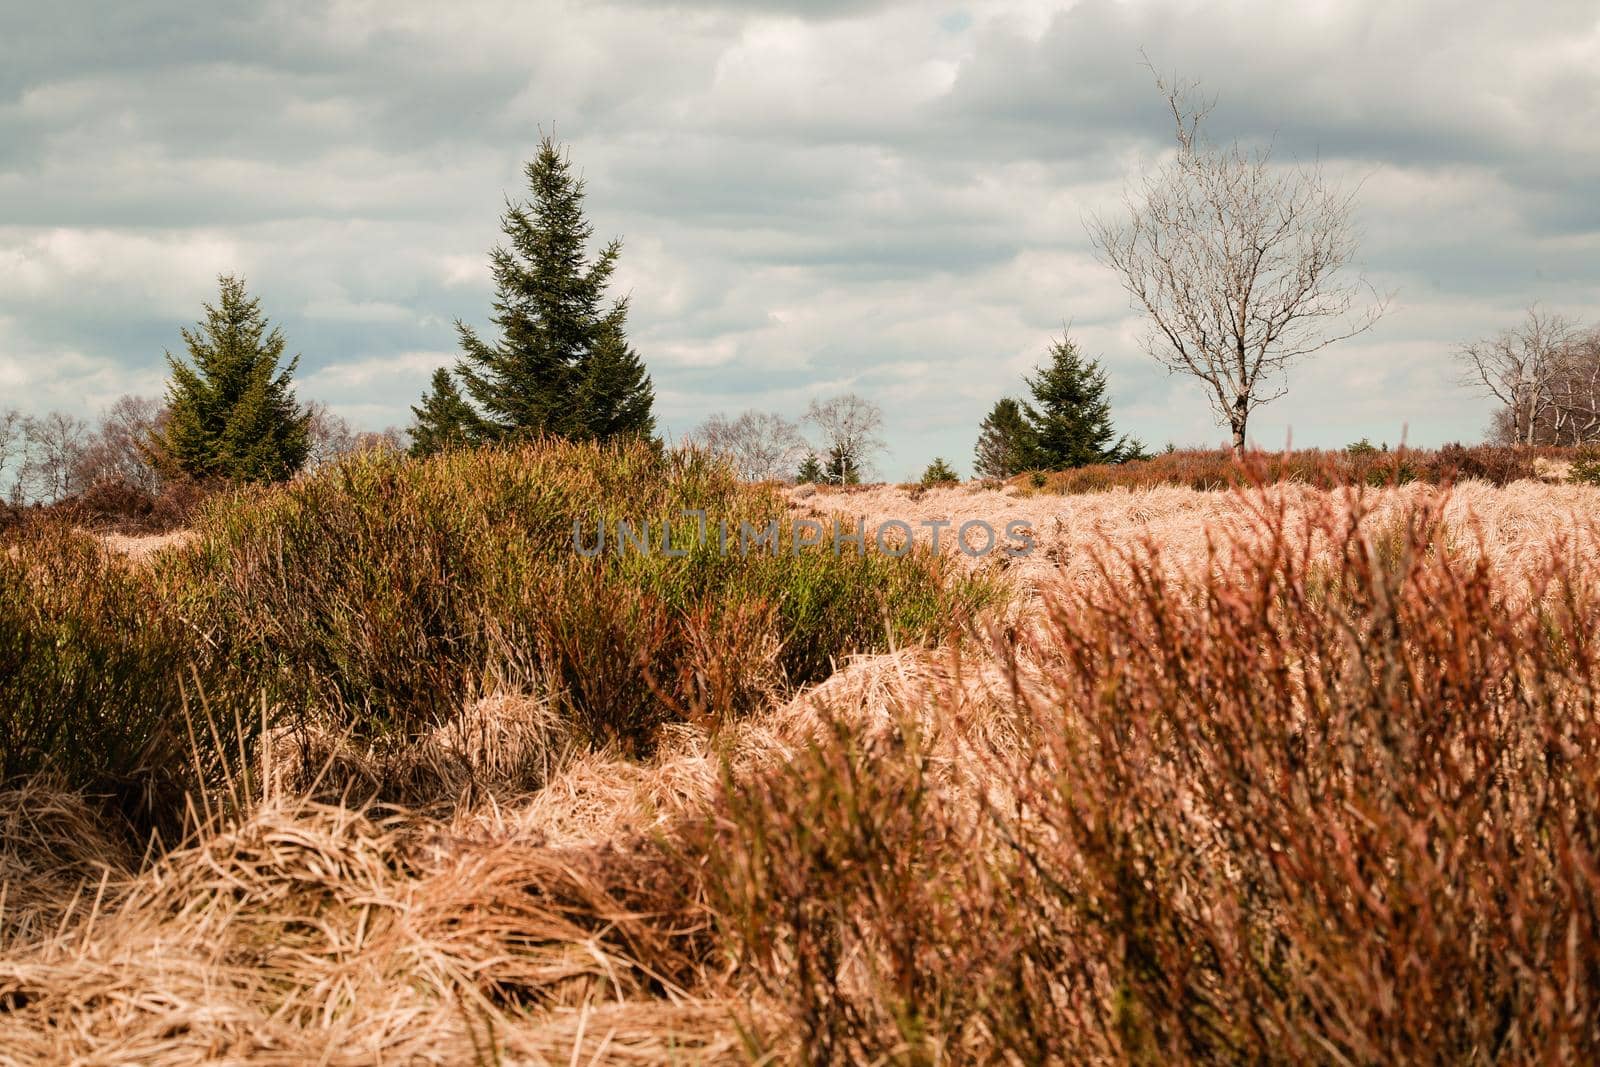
53,446
123,450
1546,375
851,428
761,445
333,438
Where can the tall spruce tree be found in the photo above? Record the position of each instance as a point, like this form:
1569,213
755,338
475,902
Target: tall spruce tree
562,364
1070,417
1005,442
233,413
444,419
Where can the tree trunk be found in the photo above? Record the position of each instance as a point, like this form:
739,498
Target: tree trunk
1236,420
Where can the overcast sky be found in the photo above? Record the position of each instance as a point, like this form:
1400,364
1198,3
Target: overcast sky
813,197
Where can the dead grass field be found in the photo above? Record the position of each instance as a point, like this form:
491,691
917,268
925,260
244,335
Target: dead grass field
597,919
1513,527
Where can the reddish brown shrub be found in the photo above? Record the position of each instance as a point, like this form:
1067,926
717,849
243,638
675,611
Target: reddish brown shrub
1218,469
1299,812
1325,814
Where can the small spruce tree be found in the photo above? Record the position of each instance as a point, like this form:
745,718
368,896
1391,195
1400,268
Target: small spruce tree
939,473
1070,417
562,364
1005,442
810,472
444,420
232,411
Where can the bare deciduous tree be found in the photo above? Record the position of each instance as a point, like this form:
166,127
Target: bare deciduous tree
851,429
761,445
391,439
122,450
12,442
52,456
1546,375
329,434
1239,263
331,437
1575,391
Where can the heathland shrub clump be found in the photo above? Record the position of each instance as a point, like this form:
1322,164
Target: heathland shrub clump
1314,808
390,590
1359,464
378,598
96,686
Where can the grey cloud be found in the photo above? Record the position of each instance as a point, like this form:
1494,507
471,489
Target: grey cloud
882,194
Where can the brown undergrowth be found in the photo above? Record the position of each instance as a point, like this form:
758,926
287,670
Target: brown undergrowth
1326,798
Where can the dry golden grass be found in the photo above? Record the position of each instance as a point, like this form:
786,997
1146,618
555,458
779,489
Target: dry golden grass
311,933
141,547
1512,526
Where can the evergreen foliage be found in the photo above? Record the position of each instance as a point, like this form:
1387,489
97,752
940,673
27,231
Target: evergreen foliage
939,473
842,467
810,472
233,413
1068,424
1070,417
444,419
1005,441
562,364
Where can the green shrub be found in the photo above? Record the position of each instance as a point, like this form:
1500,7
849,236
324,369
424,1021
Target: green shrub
96,671
381,595
391,590
939,473
1586,467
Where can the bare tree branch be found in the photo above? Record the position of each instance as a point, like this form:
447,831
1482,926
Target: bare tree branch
1546,375
1238,262
761,445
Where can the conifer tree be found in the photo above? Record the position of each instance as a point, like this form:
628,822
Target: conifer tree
810,472
939,473
1005,441
1070,418
233,413
614,394
444,419
562,364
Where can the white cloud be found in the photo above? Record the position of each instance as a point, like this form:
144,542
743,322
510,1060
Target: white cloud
886,196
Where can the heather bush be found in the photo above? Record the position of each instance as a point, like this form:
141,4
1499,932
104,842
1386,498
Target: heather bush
125,508
96,679
1586,467
392,590
848,885
1327,814
1358,464
1304,811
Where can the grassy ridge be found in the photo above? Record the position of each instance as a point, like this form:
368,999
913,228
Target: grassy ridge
379,596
